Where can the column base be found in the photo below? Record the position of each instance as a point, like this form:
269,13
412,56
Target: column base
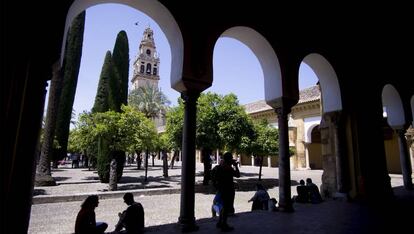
408,185
340,196
287,209
187,225
44,180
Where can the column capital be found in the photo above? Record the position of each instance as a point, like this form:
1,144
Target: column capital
190,97
282,111
400,131
333,118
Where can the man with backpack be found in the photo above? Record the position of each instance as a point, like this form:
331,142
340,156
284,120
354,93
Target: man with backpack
222,177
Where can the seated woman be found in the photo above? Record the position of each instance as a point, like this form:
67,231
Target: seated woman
260,199
85,220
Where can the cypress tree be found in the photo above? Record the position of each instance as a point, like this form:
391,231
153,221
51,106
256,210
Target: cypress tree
120,58
102,105
101,99
70,80
118,93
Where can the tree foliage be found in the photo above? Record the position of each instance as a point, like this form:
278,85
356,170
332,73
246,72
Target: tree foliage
120,58
149,100
267,140
174,126
221,123
128,130
234,124
208,119
101,103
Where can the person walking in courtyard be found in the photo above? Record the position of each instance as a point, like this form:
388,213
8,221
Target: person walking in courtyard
132,219
223,181
86,220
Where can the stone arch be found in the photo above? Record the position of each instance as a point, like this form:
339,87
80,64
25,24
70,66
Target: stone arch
265,54
309,126
328,80
391,101
153,9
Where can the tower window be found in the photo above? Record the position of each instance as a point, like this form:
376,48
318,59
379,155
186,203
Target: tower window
142,68
148,68
148,52
154,71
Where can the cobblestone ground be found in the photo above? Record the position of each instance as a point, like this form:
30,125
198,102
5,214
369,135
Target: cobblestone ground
159,209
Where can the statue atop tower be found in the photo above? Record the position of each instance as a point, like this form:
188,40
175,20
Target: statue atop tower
147,63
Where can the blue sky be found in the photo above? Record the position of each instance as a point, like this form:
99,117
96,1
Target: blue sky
242,76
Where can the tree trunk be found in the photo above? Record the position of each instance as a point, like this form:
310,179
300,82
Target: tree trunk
139,160
165,164
153,158
43,173
260,168
113,175
146,165
173,159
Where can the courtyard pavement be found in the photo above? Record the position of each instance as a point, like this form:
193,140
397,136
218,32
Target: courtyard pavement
54,208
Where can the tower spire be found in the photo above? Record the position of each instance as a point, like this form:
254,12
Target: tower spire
147,63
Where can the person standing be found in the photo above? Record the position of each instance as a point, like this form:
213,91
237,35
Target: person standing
223,181
86,220
205,154
132,219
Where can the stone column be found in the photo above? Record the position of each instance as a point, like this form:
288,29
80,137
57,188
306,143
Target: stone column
285,200
341,184
306,145
410,144
26,94
187,219
405,160
269,161
252,157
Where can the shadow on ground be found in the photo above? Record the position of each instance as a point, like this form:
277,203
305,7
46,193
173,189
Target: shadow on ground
37,192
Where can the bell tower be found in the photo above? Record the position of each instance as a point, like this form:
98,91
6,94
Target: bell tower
147,62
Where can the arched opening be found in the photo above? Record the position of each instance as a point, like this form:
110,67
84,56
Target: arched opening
393,118
305,115
329,110
94,26
328,81
155,11
392,104
251,76
267,58
315,151
396,153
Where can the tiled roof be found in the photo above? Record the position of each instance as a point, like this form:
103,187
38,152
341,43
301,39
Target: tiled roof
305,95
256,107
309,94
